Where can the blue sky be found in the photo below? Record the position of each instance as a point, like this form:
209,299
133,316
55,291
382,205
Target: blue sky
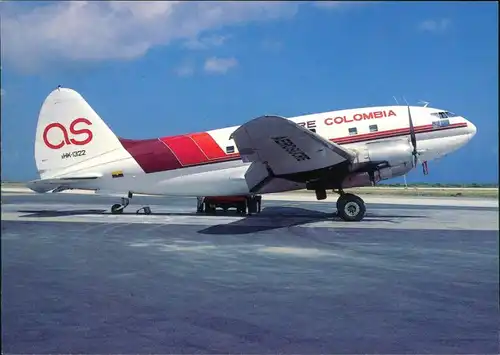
169,68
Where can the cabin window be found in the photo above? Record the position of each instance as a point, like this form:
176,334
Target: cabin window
230,149
353,131
373,128
312,130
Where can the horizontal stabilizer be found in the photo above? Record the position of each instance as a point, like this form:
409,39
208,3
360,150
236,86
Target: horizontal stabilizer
60,184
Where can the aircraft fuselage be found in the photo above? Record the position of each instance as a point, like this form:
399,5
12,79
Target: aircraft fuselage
208,163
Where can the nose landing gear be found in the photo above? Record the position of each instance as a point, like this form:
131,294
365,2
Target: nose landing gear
118,208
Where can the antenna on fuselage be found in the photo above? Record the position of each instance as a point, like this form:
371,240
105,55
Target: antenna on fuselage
394,97
426,103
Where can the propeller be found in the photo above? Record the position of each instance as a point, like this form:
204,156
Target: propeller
413,139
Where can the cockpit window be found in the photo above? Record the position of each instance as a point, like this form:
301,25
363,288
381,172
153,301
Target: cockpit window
440,114
443,114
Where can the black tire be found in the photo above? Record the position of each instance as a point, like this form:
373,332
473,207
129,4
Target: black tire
242,208
116,208
351,208
209,209
346,196
252,205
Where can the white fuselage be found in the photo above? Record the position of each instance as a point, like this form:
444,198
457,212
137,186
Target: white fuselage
353,129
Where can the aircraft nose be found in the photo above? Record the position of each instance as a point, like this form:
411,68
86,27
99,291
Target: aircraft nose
472,129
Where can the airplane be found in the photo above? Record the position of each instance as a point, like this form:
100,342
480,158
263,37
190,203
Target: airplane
335,150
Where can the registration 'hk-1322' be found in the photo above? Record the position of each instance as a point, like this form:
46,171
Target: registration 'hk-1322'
76,153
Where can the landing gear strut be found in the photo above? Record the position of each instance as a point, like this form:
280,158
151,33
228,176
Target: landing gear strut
118,208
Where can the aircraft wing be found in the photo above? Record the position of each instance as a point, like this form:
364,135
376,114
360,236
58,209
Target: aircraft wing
59,184
278,147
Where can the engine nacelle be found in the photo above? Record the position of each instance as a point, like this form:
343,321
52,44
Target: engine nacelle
363,179
394,152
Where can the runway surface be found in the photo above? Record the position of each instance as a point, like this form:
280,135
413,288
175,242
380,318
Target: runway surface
408,279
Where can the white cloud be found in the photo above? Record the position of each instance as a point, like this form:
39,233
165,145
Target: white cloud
219,65
115,30
206,42
2,92
35,34
440,25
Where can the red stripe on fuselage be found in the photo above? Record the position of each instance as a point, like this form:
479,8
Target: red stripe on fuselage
152,155
186,150
180,151
169,153
210,147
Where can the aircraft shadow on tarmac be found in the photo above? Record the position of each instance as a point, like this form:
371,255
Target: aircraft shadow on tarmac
284,217
270,218
55,213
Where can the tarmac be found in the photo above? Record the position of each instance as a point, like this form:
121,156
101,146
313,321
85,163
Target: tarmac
415,276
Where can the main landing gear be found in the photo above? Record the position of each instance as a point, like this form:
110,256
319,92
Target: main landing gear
118,208
350,208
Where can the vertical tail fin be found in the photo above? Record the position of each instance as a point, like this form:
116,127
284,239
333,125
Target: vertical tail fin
71,137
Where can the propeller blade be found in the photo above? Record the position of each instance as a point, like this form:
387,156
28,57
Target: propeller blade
413,138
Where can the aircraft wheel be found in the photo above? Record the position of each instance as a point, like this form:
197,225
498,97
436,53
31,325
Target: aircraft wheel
351,208
209,209
253,205
242,208
117,208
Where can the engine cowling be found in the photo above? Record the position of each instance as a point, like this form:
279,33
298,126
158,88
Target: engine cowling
363,179
394,152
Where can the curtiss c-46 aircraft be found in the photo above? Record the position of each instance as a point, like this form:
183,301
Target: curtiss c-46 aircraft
336,150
